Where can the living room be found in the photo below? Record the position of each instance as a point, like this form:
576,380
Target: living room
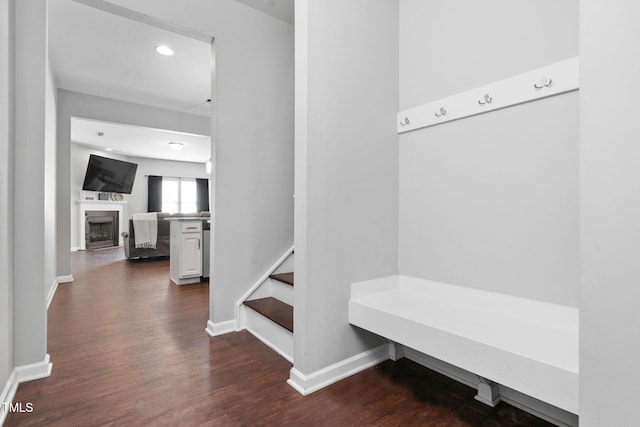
136,200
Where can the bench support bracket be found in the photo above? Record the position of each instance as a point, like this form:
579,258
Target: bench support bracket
488,392
396,351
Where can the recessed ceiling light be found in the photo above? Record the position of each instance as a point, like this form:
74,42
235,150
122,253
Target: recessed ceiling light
175,146
109,149
165,50
100,133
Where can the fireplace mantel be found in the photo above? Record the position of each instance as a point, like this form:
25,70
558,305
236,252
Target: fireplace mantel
100,205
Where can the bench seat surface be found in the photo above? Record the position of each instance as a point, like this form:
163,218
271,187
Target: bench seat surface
530,346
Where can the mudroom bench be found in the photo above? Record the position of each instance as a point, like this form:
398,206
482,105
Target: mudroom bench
527,345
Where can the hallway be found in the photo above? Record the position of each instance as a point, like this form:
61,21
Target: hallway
129,348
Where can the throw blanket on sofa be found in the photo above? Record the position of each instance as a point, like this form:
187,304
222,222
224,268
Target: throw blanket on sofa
145,226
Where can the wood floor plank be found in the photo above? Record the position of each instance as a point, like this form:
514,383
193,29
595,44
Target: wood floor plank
129,349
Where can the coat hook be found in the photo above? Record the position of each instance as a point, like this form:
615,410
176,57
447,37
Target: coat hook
443,112
544,82
488,99
405,122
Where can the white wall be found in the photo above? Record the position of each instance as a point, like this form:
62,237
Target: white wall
50,199
253,139
29,314
346,169
610,213
139,193
73,104
490,201
6,191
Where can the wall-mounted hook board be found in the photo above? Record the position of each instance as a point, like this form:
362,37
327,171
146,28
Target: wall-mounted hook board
540,83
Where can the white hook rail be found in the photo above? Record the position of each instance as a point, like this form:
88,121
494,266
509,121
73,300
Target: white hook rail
553,79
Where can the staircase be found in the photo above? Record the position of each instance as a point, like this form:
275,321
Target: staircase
268,311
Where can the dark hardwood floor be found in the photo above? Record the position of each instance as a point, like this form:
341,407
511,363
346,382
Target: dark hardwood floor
129,349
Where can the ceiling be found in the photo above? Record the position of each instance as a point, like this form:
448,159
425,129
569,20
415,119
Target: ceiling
107,51
280,9
140,141
103,54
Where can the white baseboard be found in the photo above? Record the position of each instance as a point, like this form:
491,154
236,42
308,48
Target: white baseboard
543,410
52,292
220,328
21,374
65,279
54,287
34,371
75,248
8,393
529,404
307,384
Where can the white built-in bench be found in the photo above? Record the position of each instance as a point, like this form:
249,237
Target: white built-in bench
527,345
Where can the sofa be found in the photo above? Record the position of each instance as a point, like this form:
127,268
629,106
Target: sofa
163,243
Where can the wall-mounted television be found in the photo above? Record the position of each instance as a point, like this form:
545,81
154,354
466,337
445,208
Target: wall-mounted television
109,175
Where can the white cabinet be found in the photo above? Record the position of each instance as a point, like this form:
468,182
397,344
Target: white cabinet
186,251
190,255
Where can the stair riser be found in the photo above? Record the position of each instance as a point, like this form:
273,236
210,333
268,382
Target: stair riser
276,289
270,333
281,291
286,266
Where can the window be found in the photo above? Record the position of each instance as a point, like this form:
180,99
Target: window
179,195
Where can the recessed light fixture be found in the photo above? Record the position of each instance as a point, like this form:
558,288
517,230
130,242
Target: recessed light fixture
100,133
109,149
165,50
175,146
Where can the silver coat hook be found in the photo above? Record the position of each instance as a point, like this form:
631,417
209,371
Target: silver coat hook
488,99
443,112
405,122
544,82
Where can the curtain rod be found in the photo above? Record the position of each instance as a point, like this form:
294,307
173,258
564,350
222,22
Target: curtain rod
179,177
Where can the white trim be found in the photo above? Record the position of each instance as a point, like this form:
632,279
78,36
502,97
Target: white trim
65,279
259,282
54,287
52,292
146,19
307,384
8,394
564,77
529,404
34,371
21,374
540,409
220,328
279,339
74,249
270,344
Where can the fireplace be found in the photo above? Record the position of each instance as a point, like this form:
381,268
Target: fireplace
101,229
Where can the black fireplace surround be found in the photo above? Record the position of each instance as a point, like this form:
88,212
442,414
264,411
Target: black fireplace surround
101,229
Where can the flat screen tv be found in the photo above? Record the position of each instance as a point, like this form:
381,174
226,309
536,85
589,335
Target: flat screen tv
109,175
